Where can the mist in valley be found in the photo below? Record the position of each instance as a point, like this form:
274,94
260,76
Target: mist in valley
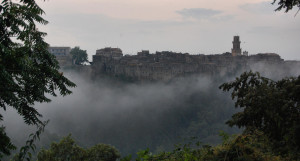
135,116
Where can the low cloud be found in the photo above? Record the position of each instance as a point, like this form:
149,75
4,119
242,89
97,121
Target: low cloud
258,8
198,13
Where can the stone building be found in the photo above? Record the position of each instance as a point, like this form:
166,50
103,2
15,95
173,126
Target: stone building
110,52
245,53
143,53
236,50
62,55
167,65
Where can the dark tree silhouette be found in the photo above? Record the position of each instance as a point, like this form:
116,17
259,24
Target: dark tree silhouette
287,5
272,107
27,70
79,55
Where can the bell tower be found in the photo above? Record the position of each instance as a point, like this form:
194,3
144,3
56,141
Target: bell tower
236,50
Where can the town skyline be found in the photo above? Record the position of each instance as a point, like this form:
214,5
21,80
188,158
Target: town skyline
195,27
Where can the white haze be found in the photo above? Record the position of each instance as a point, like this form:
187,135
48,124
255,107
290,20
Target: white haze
126,114
98,111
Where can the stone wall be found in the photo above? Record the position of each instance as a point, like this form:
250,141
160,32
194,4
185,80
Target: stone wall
167,65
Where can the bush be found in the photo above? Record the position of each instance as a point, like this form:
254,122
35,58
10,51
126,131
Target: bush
67,150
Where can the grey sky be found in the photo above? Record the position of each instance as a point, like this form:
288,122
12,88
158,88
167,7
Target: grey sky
201,26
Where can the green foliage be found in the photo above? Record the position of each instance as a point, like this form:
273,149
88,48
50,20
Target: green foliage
244,147
5,143
272,107
25,151
102,152
287,4
79,56
180,153
27,70
68,150
225,136
65,150
126,158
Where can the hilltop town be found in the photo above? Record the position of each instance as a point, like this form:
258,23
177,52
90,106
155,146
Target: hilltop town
167,65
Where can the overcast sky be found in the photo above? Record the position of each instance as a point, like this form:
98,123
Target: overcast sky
193,26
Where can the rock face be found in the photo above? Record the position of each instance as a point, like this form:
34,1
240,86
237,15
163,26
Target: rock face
167,65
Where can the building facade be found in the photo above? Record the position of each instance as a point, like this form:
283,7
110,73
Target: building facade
62,55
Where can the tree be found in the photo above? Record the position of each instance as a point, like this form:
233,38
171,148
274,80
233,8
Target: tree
68,150
28,72
287,4
5,143
272,107
65,150
79,56
102,152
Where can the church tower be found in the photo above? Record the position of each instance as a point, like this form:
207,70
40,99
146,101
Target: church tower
236,50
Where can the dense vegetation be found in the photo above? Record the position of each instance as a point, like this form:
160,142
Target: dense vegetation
79,56
271,107
28,72
68,150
